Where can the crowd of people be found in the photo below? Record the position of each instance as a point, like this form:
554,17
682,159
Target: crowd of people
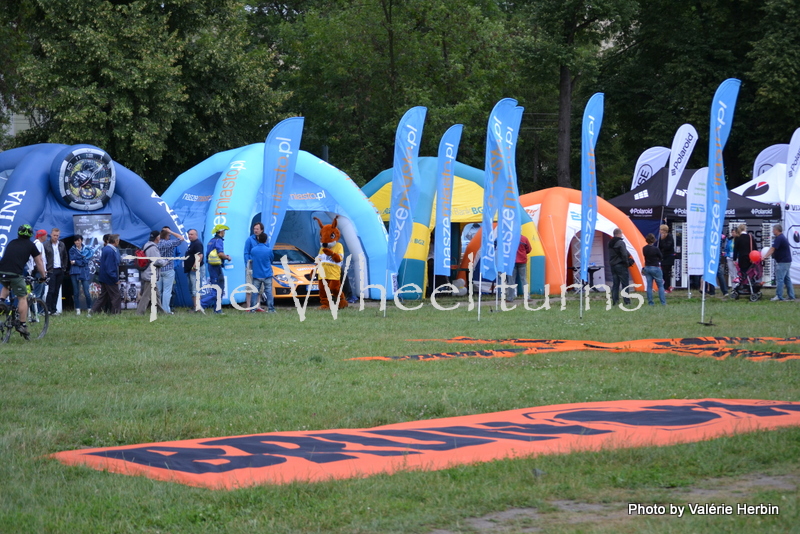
739,259
54,263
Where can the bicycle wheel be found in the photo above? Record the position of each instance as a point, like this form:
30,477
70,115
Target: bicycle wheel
38,318
7,327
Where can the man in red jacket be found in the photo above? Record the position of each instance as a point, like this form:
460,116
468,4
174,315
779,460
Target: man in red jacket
520,274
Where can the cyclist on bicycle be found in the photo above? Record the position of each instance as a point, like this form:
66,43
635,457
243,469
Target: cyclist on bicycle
12,267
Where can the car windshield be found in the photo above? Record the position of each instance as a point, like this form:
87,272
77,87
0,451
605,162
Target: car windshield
293,256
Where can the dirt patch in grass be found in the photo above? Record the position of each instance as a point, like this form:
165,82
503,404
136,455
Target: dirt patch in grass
565,513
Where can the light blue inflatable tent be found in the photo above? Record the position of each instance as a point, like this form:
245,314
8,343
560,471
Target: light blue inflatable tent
227,189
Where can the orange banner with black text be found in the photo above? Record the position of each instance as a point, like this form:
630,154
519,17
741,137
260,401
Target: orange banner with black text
704,347
313,456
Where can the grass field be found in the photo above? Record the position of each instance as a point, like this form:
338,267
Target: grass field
106,381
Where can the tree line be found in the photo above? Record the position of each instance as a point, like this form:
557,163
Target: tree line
163,85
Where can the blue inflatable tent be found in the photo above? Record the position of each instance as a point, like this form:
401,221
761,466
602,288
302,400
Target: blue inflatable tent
60,186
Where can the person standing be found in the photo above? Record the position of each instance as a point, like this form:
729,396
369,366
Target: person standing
666,244
742,247
262,272
166,274
520,273
782,252
722,274
618,259
39,287
252,241
56,257
729,254
193,266
109,278
79,257
652,270
215,259
150,250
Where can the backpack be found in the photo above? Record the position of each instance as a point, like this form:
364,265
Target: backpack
141,260
213,257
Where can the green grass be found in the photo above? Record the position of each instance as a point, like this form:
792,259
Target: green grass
107,381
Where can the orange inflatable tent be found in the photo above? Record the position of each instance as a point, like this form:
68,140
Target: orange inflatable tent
557,215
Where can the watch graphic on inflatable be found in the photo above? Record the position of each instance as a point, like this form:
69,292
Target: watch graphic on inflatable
86,178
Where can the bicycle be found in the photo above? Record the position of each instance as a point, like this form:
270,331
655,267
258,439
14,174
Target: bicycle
38,316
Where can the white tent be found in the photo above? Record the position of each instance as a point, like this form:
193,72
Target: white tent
770,188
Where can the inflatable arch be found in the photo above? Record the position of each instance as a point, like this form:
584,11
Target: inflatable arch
227,189
557,214
47,185
467,207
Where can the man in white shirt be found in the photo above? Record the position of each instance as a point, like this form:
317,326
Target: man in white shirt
56,254
38,288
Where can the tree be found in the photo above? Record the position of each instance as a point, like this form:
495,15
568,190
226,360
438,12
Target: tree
666,69
160,86
354,69
14,47
567,37
775,69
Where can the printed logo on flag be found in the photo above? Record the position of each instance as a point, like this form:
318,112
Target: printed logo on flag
764,168
644,174
697,207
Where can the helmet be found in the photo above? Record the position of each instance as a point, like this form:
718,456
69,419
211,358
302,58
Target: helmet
25,230
218,228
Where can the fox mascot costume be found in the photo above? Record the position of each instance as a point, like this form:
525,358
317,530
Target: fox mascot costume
329,262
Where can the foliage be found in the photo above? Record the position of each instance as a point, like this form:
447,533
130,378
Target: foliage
359,68
566,38
775,66
667,68
159,86
163,85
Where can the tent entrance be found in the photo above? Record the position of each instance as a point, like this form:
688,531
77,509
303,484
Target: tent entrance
301,230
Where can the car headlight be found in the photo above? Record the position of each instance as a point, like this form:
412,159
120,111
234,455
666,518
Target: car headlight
283,279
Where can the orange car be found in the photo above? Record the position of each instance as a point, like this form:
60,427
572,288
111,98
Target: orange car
301,271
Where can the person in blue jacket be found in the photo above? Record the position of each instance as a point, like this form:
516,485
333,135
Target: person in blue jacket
109,278
781,251
261,255
79,258
258,229
215,262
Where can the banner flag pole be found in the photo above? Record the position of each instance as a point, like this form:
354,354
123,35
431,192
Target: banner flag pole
405,189
590,129
722,108
496,168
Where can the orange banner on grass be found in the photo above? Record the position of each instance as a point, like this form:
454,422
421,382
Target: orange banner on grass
311,456
703,347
